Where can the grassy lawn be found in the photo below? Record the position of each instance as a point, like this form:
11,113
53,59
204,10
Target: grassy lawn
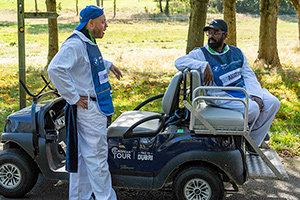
145,51
63,6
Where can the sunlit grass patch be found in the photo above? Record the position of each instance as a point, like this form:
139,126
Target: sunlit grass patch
134,88
286,143
145,51
286,125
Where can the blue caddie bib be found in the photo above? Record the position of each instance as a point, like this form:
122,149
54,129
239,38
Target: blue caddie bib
102,89
227,69
100,78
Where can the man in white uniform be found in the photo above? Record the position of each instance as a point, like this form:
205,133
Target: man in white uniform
224,65
80,74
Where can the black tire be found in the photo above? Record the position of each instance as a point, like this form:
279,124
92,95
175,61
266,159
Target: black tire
198,183
18,173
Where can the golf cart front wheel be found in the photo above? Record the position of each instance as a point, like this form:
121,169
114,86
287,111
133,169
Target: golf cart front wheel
18,173
198,183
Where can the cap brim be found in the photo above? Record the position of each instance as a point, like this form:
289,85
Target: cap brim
80,26
206,28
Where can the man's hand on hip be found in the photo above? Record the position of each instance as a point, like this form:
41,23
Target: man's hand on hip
83,102
259,101
208,76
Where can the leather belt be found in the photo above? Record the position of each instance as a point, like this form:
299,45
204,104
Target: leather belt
91,98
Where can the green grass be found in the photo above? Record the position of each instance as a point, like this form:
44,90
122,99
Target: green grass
149,47
134,5
285,129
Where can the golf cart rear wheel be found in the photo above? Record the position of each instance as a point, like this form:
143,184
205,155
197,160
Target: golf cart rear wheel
18,173
198,183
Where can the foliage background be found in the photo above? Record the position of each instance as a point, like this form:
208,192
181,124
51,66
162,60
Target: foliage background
144,43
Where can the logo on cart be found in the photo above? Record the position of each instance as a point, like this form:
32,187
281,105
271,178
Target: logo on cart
121,154
145,156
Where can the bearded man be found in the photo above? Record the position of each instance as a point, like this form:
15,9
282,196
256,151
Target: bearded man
224,65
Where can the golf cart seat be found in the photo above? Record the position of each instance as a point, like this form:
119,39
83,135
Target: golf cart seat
207,119
218,118
144,123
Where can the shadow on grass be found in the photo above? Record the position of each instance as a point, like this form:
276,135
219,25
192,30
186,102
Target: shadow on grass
43,28
288,18
7,24
155,17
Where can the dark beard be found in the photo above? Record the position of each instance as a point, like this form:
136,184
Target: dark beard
216,44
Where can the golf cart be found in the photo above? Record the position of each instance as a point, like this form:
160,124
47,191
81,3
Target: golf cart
192,147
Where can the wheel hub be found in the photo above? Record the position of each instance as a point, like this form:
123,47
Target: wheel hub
10,176
197,189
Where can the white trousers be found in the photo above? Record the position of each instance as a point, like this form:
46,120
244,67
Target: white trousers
259,122
93,174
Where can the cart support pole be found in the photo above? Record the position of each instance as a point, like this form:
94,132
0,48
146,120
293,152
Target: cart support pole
21,52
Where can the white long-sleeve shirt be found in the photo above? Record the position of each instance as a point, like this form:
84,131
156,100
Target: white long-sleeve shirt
196,60
70,70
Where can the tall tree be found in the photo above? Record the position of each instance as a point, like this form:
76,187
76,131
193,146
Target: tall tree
196,24
160,6
36,6
115,8
77,8
167,11
296,4
98,3
268,53
230,17
53,32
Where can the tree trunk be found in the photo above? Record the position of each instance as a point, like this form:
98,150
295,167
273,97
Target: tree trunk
52,30
230,19
160,6
77,8
196,24
268,53
36,6
167,12
115,8
296,4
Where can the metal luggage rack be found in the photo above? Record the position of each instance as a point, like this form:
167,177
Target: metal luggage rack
265,166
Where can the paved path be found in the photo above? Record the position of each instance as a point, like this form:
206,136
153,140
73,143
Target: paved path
251,190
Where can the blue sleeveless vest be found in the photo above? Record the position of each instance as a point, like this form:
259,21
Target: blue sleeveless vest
227,69
102,89
100,78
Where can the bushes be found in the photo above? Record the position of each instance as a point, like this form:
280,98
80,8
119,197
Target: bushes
242,6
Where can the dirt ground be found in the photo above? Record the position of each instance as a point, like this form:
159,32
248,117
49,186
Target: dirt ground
251,190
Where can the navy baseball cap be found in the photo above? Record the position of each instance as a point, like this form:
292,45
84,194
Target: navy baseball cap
89,12
216,24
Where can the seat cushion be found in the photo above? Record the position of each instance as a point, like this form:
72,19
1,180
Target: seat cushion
127,119
170,99
219,118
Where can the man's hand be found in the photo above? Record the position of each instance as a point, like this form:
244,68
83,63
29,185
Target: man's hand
116,71
259,101
208,76
83,102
